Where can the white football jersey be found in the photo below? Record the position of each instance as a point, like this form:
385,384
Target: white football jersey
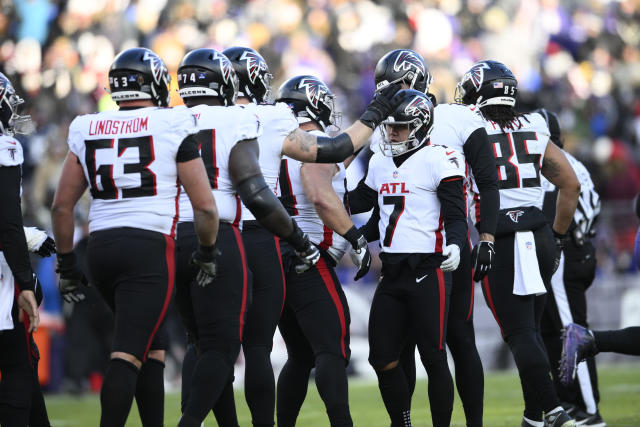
519,154
129,161
588,202
277,122
410,216
295,200
10,151
219,129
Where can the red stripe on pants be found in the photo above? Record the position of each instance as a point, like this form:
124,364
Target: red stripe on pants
243,258
169,254
284,281
442,295
487,292
323,269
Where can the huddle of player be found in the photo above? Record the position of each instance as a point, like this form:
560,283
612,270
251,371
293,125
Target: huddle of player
238,205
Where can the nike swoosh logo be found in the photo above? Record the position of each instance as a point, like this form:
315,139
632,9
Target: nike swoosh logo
418,280
450,152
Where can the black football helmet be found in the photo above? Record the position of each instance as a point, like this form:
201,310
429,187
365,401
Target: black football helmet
10,121
554,126
403,66
487,83
253,73
310,99
139,73
207,72
415,114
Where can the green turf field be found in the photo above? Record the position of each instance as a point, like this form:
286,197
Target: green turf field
619,387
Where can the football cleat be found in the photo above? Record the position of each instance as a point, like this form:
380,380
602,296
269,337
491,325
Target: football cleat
578,343
559,419
526,422
589,420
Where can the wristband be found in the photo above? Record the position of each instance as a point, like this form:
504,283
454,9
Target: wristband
352,235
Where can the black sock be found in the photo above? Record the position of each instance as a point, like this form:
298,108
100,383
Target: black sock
292,389
188,365
408,364
116,395
259,385
625,341
150,393
395,395
38,416
210,376
331,380
225,408
533,367
469,372
532,410
440,388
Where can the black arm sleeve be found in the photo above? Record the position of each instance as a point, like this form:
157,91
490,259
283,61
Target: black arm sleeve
478,154
12,239
370,230
334,150
451,196
188,149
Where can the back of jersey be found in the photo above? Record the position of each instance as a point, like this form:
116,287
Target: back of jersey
277,122
519,153
129,161
219,129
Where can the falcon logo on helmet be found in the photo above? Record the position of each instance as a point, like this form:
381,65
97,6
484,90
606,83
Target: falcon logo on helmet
476,74
314,89
408,59
418,107
255,64
226,68
157,67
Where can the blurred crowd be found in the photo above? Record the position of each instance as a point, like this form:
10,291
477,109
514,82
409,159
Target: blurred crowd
579,58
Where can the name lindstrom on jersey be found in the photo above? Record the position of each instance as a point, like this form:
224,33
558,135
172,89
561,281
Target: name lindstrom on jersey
115,127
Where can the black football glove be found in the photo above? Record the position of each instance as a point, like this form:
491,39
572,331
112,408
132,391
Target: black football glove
72,279
482,256
382,106
307,253
205,260
359,253
47,248
559,238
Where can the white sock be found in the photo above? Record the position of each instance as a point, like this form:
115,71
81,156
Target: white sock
534,423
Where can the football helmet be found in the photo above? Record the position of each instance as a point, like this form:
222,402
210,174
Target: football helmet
555,134
415,115
139,73
253,73
403,66
310,99
487,83
207,72
10,121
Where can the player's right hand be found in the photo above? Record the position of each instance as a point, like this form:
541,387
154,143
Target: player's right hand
559,239
359,253
452,253
307,257
72,279
482,256
205,259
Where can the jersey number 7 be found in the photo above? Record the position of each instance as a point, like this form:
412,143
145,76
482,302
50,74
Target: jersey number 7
109,190
506,146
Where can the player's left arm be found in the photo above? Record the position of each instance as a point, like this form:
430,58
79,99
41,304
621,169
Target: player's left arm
478,153
71,186
557,169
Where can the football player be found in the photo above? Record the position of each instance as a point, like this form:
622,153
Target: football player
418,187
131,160
209,86
280,136
459,127
567,302
315,321
21,400
528,249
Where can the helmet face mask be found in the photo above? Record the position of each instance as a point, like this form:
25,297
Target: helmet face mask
408,127
487,83
311,100
403,66
139,74
11,122
208,73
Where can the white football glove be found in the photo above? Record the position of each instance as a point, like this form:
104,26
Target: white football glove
452,252
39,242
